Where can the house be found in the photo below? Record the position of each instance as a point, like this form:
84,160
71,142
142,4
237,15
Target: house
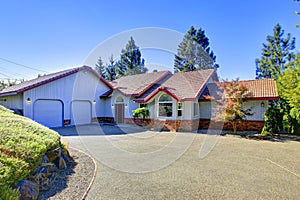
171,98
80,96
68,97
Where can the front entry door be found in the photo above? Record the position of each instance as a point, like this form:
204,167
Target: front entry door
119,113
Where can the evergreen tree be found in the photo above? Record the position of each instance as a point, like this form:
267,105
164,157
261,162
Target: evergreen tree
130,62
194,52
276,54
111,73
100,68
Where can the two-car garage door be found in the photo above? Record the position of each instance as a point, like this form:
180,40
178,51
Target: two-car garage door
50,112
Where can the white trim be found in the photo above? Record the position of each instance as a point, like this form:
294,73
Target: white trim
173,102
198,110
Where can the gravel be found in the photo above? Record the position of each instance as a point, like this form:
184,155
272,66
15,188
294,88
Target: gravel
73,182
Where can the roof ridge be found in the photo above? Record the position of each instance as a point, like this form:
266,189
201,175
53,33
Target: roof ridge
195,71
249,80
132,75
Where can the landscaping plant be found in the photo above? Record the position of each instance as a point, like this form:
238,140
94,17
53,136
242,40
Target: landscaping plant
23,143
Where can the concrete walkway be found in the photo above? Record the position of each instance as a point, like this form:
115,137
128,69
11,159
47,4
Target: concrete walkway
134,163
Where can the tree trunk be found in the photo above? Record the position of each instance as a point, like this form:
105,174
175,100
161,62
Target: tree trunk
234,126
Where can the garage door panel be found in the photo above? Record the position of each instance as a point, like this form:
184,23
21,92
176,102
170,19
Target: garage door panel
48,112
82,112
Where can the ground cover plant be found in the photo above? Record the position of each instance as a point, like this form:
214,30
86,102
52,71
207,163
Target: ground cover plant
23,143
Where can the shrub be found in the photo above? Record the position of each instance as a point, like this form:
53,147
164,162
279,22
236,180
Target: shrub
8,193
141,113
23,143
273,120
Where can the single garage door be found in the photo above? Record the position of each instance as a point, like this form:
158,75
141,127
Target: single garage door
81,112
48,112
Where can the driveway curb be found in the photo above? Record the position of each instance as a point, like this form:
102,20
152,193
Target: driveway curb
94,175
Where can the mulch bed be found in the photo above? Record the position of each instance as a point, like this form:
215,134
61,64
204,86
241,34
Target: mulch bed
73,182
275,137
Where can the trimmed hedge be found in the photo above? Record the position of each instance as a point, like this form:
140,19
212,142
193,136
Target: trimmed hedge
23,143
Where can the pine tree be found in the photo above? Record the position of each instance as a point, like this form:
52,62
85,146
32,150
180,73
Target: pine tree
276,54
100,68
111,73
194,52
131,61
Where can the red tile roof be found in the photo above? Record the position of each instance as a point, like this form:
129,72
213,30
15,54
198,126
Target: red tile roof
136,85
259,89
41,80
183,86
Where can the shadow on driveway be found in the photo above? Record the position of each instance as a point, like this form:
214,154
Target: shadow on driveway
97,129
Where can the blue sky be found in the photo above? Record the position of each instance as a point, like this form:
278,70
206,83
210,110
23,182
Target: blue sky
55,35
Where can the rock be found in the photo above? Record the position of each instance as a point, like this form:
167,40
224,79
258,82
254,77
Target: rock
60,163
66,152
66,157
45,176
29,190
45,159
53,154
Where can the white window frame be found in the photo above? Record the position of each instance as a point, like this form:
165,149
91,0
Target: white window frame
178,103
161,102
196,109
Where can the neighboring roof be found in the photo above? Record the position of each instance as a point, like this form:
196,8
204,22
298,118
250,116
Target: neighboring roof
136,85
183,86
260,89
41,80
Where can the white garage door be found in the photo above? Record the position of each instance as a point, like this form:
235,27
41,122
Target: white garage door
81,112
48,112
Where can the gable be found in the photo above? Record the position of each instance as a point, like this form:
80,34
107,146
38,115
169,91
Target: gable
137,85
182,86
48,78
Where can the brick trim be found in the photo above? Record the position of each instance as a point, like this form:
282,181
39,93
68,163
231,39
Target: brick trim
245,125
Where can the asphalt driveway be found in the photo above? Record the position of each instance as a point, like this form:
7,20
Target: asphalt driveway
134,163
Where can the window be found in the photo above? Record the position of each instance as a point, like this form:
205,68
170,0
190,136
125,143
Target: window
143,105
179,109
196,109
165,106
119,100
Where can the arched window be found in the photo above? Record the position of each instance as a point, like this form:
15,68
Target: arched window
119,100
165,106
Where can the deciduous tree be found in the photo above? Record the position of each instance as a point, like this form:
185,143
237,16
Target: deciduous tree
289,88
230,102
